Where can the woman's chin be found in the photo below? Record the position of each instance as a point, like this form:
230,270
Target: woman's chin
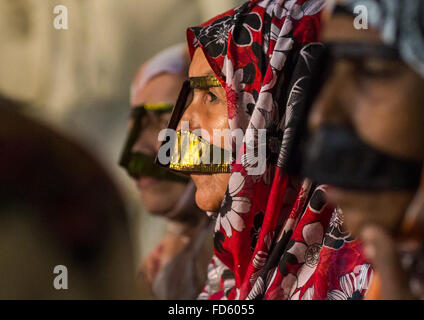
210,190
156,205
207,200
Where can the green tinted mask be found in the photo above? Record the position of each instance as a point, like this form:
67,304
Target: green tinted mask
138,164
190,153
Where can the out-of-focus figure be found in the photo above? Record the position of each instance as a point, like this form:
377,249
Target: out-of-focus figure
368,135
58,207
177,268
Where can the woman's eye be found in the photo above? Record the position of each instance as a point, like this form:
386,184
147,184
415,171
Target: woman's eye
376,69
212,97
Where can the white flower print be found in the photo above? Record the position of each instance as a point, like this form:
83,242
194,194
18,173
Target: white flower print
336,235
234,79
275,32
216,269
288,285
309,251
295,296
237,297
308,294
266,177
271,277
352,284
245,98
265,4
296,94
307,56
279,56
294,98
268,86
309,8
265,104
257,289
229,216
261,257
284,8
256,149
289,8
215,36
204,295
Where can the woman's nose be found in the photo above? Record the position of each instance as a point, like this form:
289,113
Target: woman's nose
147,141
190,119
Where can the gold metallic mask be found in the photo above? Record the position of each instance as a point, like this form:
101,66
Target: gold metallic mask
204,82
191,153
194,154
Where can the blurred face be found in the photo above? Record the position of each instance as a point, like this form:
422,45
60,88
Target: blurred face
163,88
382,101
207,110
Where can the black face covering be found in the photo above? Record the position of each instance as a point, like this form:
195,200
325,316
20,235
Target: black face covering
335,154
138,164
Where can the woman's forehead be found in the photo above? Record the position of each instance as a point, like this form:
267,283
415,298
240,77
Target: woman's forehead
199,66
163,88
340,27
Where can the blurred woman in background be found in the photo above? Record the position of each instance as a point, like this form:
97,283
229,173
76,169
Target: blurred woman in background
368,132
176,269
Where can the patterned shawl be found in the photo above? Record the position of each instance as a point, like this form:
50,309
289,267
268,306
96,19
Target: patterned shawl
275,235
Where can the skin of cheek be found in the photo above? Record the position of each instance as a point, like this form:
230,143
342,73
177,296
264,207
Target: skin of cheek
210,190
390,117
216,121
152,193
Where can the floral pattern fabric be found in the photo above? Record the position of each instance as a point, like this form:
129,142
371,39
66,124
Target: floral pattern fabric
275,235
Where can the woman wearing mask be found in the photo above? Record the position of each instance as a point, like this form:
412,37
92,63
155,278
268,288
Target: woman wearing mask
368,135
176,268
275,235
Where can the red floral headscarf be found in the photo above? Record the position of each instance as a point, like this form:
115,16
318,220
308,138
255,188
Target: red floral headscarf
275,236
